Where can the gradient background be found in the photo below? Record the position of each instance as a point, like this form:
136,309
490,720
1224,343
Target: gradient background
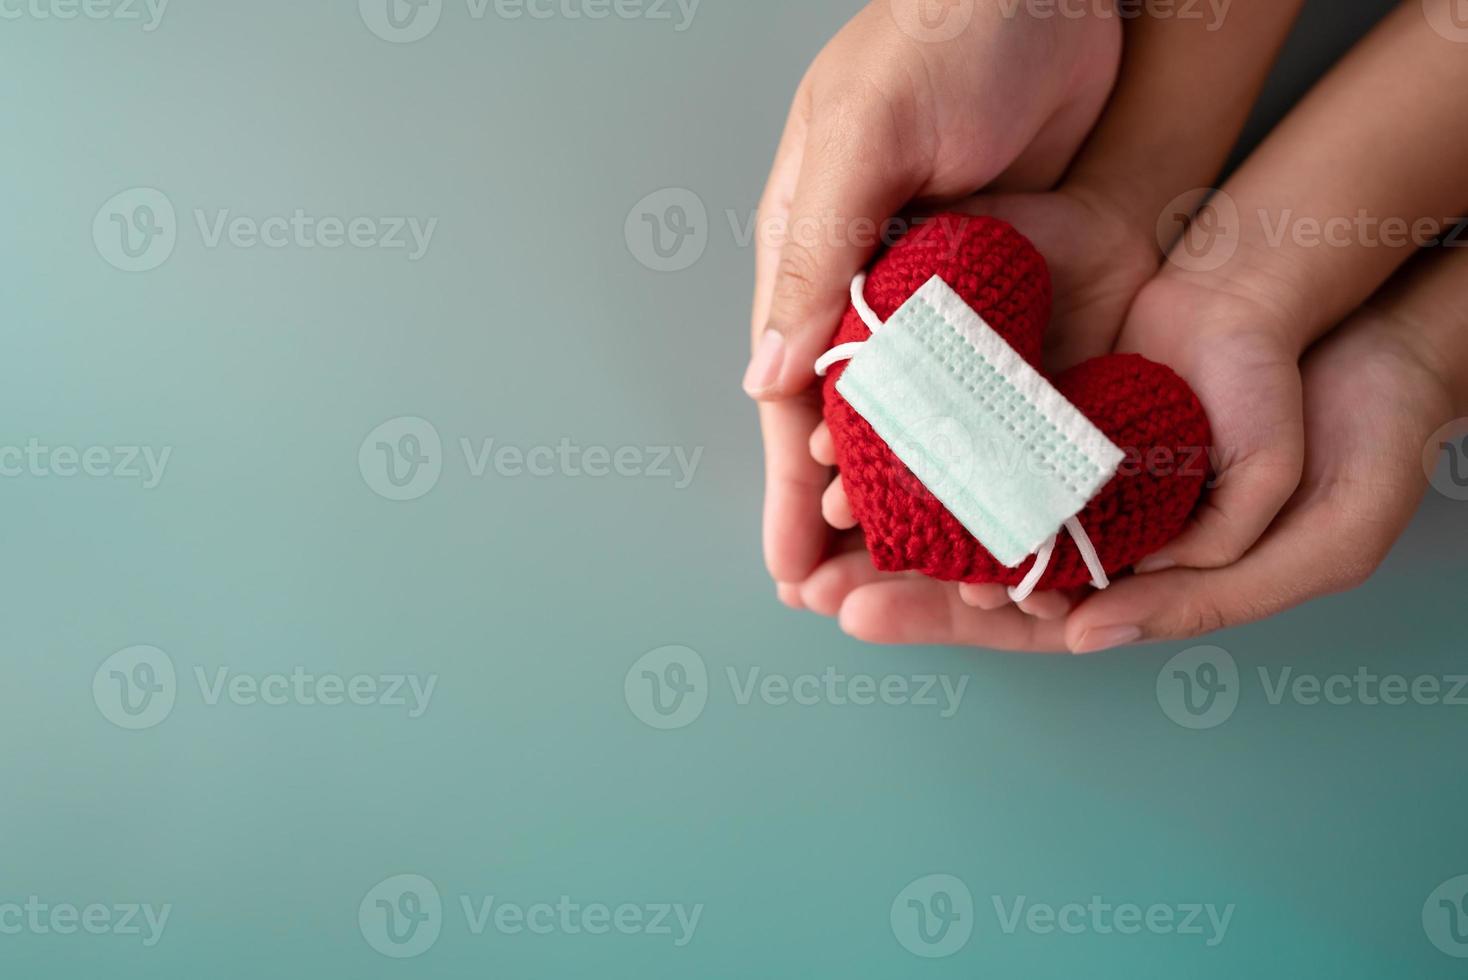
531,320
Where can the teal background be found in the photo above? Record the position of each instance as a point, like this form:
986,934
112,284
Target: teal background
528,777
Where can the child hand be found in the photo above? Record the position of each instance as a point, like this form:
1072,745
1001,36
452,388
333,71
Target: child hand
1237,330
1098,260
1361,484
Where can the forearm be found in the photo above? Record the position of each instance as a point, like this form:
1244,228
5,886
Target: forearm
1183,96
1357,178
1423,311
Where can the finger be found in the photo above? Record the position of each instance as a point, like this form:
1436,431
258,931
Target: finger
836,578
822,447
1046,606
836,508
986,595
789,594
1095,276
1043,605
1246,498
795,535
774,207
1249,385
928,611
1362,483
856,170
1303,557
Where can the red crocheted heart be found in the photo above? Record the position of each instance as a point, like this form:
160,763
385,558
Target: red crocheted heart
1144,408
993,267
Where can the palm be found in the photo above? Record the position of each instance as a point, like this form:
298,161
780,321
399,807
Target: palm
885,117
1107,298
1097,263
1363,471
1365,458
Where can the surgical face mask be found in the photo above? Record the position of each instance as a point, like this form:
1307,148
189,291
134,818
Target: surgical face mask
987,434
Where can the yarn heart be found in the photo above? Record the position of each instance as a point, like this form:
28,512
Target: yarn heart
1142,407
993,267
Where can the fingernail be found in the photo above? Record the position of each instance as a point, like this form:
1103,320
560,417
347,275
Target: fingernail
984,597
1107,638
764,366
1157,563
789,594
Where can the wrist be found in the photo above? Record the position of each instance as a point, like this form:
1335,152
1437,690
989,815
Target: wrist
1182,322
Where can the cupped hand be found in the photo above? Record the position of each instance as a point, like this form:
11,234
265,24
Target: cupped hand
1372,394
1236,329
1098,262
890,114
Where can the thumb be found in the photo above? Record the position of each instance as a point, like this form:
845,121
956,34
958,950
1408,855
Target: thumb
855,174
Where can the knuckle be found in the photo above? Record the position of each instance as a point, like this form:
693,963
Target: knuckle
1220,541
1229,524
1199,616
798,481
850,114
862,123
798,274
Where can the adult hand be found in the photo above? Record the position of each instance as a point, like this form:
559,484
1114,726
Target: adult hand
893,111
1235,322
1373,393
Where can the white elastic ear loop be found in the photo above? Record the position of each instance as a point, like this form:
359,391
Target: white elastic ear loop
1088,553
842,352
1018,593
1023,590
